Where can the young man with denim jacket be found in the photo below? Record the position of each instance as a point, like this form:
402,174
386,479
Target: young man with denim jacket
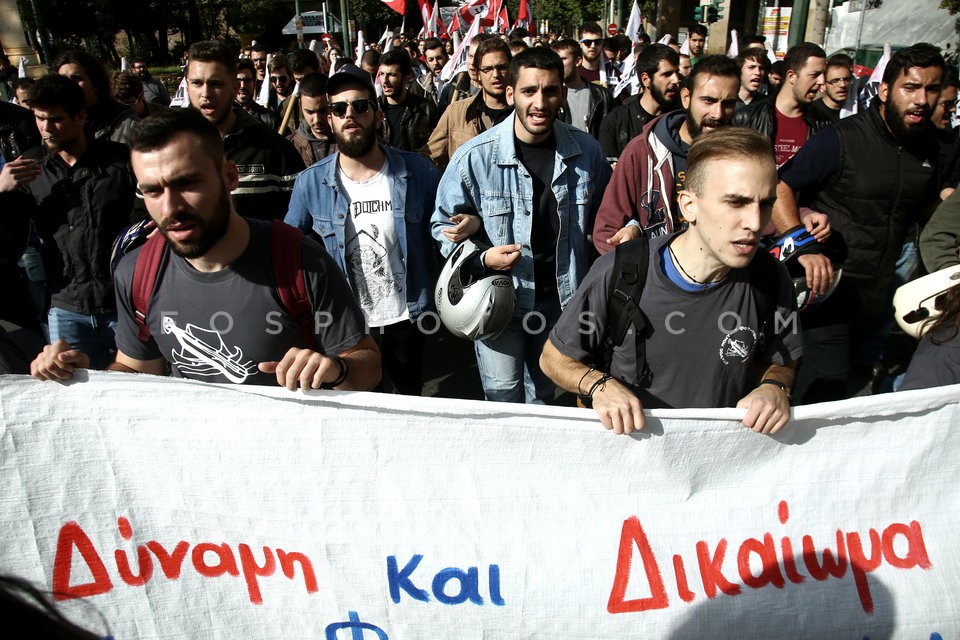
370,205
535,184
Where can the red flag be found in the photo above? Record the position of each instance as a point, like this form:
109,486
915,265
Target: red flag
468,12
400,6
524,17
425,11
503,20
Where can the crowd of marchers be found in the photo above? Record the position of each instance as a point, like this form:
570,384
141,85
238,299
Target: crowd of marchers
627,224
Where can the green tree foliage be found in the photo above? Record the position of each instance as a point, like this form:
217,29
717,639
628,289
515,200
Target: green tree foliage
94,24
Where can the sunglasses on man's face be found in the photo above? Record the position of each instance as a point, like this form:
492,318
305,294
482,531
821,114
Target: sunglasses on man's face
591,42
360,107
283,79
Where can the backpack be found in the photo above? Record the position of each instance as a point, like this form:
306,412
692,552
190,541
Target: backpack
285,254
631,261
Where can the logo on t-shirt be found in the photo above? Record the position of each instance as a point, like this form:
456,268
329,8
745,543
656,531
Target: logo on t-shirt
737,346
203,353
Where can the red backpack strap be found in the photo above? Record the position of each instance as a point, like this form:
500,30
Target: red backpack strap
144,279
286,253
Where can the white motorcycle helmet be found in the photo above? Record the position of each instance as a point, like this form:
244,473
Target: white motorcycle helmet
472,306
917,301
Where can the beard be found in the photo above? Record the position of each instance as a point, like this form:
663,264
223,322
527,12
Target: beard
356,145
211,230
696,128
661,99
893,115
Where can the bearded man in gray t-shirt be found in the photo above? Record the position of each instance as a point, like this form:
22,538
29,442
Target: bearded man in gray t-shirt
215,312
703,346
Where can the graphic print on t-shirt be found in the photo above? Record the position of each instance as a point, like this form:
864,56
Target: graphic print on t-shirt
737,346
203,353
369,262
373,253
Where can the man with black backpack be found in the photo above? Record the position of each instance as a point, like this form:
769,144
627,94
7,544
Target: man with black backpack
691,319
218,297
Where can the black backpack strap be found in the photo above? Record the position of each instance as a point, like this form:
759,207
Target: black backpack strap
631,261
764,272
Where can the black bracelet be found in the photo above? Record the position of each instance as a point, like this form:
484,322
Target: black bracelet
777,383
587,400
582,378
344,372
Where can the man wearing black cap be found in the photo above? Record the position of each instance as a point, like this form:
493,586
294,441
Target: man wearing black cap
374,219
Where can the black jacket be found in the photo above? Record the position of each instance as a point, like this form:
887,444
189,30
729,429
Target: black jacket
77,212
418,117
601,103
883,187
268,164
761,115
622,125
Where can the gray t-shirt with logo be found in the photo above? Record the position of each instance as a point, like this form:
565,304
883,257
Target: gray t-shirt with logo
703,344
217,327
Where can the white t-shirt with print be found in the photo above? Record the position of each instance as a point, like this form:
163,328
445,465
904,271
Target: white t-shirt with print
373,254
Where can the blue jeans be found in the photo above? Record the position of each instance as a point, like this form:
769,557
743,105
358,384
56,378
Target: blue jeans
509,364
92,334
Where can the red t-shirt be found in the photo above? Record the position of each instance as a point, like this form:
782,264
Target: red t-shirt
791,134
590,75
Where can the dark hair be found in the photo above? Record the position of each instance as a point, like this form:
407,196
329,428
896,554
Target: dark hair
798,54
944,327
624,42
535,58
778,67
278,62
57,91
159,129
920,55
247,65
313,85
517,45
411,46
303,61
214,51
698,29
591,27
520,32
568,44
713,65
751,39
372,57
482,37
649,59
755,54
490,45
432,43
259,48
726,142
91,66
398,58
28,82
643,38
840,60
126,86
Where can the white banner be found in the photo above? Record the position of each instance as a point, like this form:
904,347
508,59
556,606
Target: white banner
185,510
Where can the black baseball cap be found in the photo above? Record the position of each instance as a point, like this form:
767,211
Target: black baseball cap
350,74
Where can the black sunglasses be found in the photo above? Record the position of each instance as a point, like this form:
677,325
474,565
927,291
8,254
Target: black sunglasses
360,107
590,42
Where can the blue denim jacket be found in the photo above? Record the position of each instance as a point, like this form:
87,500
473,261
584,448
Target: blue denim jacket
319,204
486,175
